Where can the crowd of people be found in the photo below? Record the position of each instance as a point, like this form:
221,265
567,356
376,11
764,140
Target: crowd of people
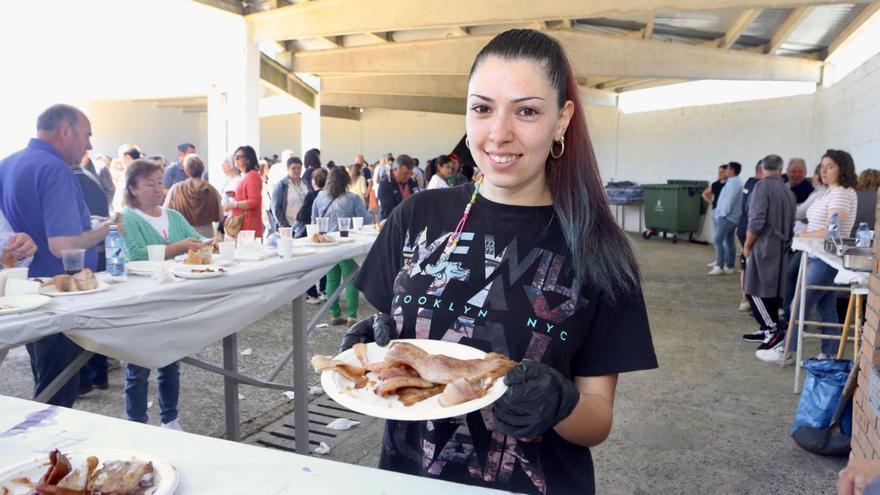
55,196
765,213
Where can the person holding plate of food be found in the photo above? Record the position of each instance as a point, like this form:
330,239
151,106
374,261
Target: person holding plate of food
528,263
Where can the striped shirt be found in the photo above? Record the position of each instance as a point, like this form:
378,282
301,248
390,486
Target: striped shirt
835,198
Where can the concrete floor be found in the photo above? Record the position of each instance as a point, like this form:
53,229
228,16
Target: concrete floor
712,419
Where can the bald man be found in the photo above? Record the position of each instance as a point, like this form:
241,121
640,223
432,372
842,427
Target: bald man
797,179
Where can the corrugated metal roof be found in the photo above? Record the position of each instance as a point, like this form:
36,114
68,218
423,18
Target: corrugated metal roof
821,27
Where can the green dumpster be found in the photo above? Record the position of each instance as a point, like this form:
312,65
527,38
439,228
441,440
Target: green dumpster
702,184
672,208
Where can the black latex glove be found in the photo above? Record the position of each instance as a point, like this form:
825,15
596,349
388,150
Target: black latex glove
537,398
379,328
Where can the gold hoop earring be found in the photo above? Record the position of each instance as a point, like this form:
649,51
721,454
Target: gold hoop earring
561,142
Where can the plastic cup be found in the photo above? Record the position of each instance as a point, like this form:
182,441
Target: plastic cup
20,272
358,223
74,260
312,229
245,238
344,226
227,250
323,225
156,252
286,232
285,248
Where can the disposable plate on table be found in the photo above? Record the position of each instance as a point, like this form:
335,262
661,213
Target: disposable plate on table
51,290
215,260
22,303
165,477
144,267
365,401
255,254
197,271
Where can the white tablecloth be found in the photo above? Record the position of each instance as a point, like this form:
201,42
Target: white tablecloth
152,325
205,465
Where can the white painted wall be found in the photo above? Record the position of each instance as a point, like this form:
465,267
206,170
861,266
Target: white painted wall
157,131
279,133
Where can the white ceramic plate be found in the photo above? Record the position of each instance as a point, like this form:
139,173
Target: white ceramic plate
164,475
144,267
216,260
365,401
52,291
20,304
188,271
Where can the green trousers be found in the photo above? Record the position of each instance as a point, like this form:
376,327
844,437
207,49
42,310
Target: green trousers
352,298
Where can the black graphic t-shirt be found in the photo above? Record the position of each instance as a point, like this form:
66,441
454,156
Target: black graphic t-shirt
506,288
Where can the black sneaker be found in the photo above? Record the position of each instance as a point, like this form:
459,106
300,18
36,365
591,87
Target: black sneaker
757,336
775,339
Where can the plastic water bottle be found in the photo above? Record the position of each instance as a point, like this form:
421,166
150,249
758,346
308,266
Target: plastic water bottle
863,235
115,249
834,228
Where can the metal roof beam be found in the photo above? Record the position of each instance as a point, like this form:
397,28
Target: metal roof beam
340,17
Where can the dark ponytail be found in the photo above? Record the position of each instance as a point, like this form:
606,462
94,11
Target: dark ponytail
600,252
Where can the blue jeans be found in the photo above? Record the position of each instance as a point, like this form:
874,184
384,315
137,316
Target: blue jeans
49,356
136,392
725,243
825,302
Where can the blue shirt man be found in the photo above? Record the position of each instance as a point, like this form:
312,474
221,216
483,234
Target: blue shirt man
174,173
726,216
41,197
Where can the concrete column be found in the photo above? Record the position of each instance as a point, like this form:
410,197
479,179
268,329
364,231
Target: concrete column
243,96
218,140
310,129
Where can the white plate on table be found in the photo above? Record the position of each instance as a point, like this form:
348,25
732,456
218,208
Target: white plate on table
144,267
255,254
192,271
165,476
336,241
20,304
215,260
365,401
366,231
50,290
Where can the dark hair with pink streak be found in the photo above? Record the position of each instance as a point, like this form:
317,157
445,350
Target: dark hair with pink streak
600,252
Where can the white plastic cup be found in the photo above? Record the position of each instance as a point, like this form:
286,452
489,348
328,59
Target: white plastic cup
20,272
358,222
285,248
156,252
286,232
245,238
227,250
312,229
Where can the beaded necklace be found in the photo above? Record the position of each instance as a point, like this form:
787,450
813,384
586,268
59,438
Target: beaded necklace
453,238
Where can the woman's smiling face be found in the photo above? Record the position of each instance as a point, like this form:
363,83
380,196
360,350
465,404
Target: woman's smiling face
512,120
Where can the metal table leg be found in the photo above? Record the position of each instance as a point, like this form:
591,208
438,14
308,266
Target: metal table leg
65,376
300,375
802,305
230,388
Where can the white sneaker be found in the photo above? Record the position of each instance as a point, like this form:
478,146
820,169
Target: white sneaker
323,296
313,300
744,306
711,264
773,355
717,270
173,425
729,271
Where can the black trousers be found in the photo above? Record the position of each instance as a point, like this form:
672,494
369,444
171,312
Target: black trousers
766,311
